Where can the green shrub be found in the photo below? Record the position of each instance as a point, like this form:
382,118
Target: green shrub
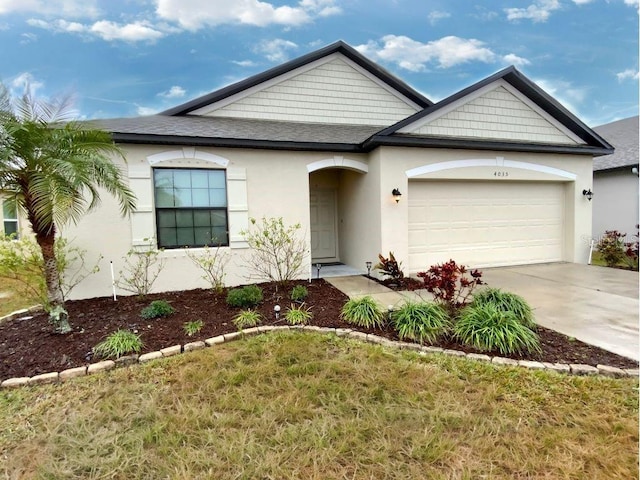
423,322
117,344
488,328
507,302
298,314
157,309
299,293
244,297
247,318
193,327
363,312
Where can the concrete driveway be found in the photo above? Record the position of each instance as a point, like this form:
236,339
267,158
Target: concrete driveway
597,305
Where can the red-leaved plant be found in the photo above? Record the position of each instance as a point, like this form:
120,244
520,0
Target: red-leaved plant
390,267
451,284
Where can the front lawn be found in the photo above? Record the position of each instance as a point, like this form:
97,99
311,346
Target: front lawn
295,405
12,297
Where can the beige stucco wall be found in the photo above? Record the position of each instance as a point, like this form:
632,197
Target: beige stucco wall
396,162
277,184
615,202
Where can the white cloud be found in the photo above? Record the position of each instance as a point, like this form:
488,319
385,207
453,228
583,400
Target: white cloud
65,8
514,59
537,12
195,14
244,63
20,82
275,50
174,92
130,32
437,15
565,92
28,38
582,2
632,3
414,56
141,110
628,74
323,8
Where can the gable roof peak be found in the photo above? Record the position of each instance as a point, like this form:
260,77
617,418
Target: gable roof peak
338,46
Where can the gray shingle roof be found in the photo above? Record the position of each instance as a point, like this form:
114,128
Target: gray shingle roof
234,128
623,135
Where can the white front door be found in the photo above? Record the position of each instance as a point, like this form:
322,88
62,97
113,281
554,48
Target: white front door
323,225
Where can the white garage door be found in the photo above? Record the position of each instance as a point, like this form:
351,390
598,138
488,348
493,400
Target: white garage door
483,224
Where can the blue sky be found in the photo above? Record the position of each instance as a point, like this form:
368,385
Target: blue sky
133,57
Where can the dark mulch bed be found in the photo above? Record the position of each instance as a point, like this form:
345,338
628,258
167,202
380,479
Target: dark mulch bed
28,347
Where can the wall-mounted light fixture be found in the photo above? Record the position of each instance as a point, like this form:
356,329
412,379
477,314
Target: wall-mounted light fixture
588,194
396,195
634,170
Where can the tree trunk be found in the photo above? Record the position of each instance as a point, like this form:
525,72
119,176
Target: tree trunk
58,314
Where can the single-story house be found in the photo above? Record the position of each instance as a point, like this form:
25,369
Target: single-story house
615,180
491,176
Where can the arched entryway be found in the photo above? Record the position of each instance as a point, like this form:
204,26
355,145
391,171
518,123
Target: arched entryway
331,207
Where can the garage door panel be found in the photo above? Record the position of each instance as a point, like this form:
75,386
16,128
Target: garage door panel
485,224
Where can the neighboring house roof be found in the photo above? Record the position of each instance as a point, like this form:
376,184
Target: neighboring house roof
623,135
203,131
337,47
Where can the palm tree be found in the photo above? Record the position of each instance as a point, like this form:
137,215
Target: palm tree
54,168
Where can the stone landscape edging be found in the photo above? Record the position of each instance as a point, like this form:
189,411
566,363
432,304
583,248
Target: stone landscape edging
105,365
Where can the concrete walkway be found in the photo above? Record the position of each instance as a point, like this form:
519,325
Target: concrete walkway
596,305
357,286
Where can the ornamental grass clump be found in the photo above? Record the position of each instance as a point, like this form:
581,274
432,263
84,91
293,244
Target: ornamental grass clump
506,302
193,327
118,344
298,314
247,319
363,312
489,329
422,322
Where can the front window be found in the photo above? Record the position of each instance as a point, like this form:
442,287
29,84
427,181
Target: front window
191,207
10,217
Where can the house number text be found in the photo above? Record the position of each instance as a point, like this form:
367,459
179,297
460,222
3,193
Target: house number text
500,174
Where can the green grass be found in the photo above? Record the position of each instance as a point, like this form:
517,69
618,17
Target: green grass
118,344
291,406
363,312
506,302
489,328
423,322
596,259
16,298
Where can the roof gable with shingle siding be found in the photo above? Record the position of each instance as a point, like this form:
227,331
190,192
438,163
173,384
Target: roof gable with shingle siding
498,111
332,90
